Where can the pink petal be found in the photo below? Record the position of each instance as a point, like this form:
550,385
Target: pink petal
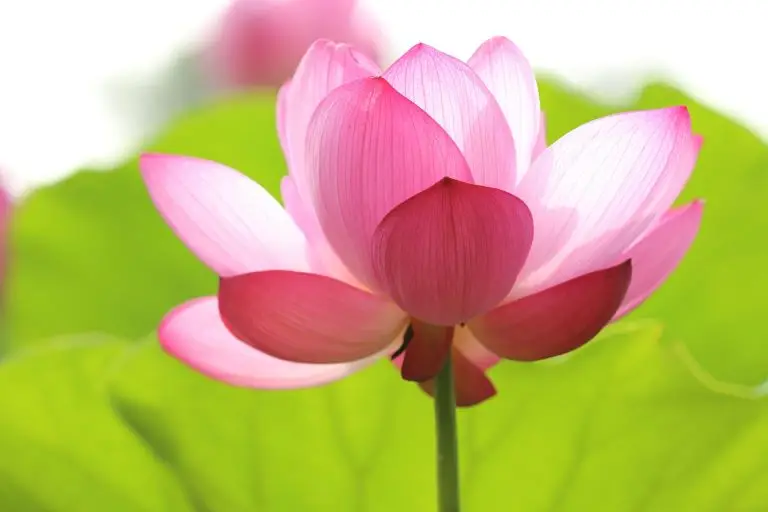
282,115
557,320
195,334
454,96
307,318
228,220
471,384
465,342
426,352
659,252
594,191
369,149
453,251
325,67
541,141
320,255
508,74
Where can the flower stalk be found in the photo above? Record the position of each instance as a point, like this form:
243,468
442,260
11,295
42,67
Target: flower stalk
447,444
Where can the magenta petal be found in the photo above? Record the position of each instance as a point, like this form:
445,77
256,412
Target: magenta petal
195,334
508,75
453,251
228,220
307,318
659,252
557,320
370,149
454,96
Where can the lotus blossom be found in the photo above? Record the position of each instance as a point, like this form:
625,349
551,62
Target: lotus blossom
424,216
260,42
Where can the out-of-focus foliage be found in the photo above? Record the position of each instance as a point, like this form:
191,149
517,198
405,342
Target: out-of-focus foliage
624,424
63,448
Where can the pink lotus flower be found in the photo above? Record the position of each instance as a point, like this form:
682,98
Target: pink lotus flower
260,42
424,210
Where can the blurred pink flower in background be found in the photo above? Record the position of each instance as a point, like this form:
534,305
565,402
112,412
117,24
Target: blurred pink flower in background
424,215
260,42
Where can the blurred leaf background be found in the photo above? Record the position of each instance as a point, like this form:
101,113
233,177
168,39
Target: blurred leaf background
658,415
665,412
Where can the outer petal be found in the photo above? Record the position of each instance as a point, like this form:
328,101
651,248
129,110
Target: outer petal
195,334
325,67
229,221
454,96
472,386
307,318
659,252
557,320
453,251
427,350
322,259
541,141
594,191
369,149
466,343
282,120
508,74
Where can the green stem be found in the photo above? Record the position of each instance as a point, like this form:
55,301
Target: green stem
447,445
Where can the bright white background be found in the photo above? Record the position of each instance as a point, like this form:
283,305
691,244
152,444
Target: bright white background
69,68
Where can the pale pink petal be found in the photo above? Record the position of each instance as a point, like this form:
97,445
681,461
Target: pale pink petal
454,96
508,74
659,252
557,320
453,251
228,220
322,259
466,342
370,149
541,141
307,318
325,67
282,114
195,334
594,191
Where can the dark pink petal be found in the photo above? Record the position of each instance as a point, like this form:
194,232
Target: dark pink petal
557,320
195,334
324,67
471,384
307,318
659,252
426,351
598,188
228,220
453,251
370,149
508,74
454,96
